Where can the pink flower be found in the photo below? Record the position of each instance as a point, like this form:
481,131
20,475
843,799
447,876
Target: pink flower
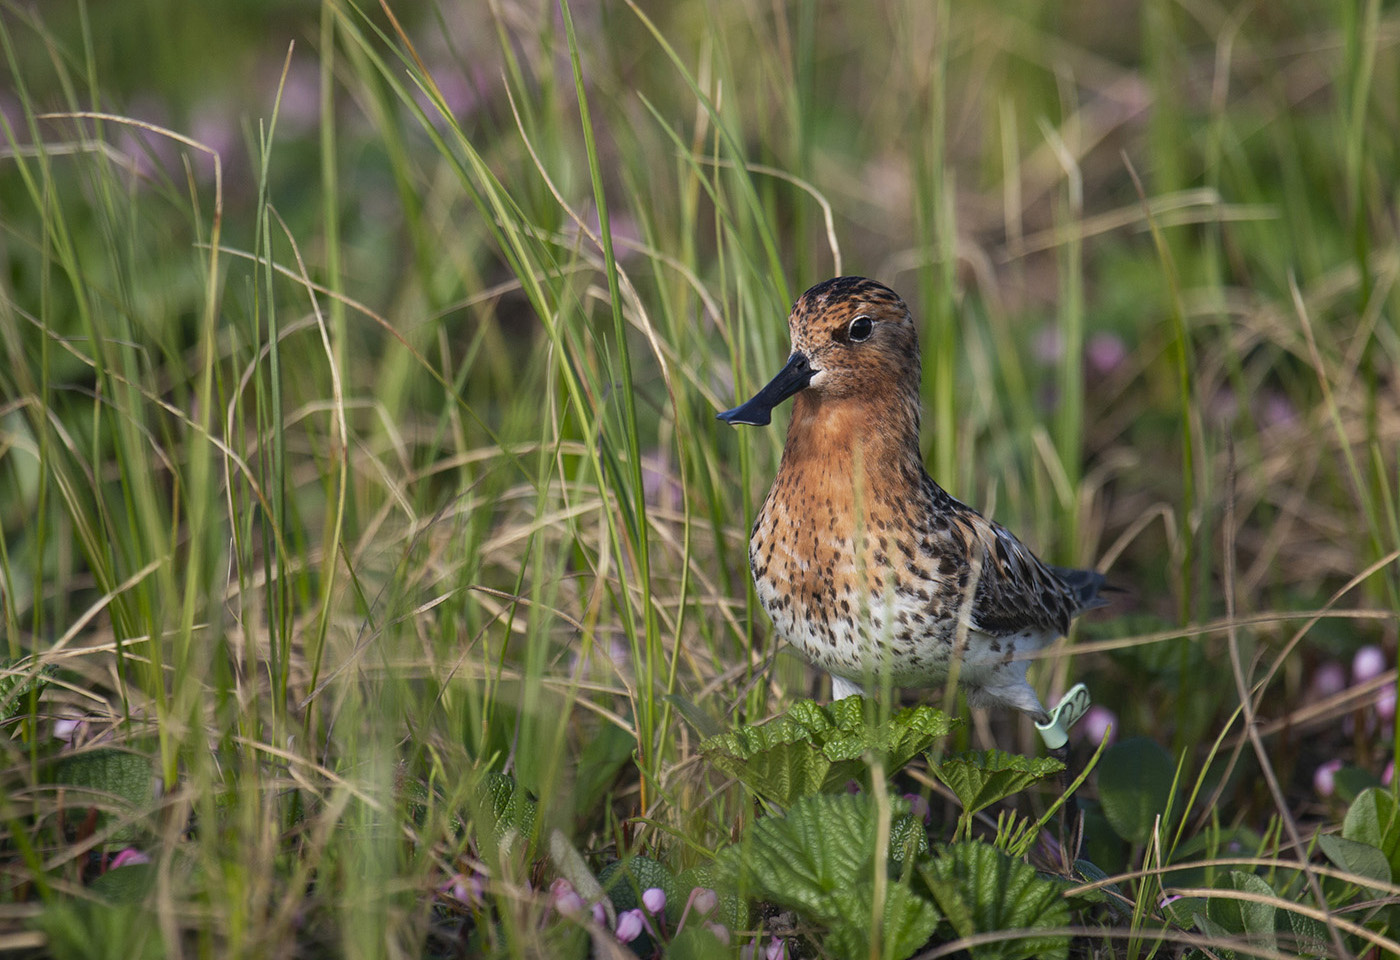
1105,353
1324,778
1329,679
128,857
918,807
1099,722
777,950
564,898
465,888
630,925
1385,704
1389,774
68,729
1368,663
654,899
704,900
1276,410
600,916
720,931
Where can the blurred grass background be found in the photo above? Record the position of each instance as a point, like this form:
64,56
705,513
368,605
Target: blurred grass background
380,450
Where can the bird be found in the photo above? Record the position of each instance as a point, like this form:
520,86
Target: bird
865,564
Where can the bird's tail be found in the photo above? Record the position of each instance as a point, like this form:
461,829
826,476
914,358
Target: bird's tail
1087,586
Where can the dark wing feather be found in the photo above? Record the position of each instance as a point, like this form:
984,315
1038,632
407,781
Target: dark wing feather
1019,592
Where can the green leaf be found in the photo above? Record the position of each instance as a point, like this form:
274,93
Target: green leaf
982,890
603,756
908,839
1374,818
1356,857
512,811
109,779
16,683
128,884
1309,936
1249,918
816,749
700,721
820,861
732,910
979,778
696,942
1135,780
625,881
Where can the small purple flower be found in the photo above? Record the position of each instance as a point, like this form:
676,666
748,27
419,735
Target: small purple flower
600,916
1105,353
654,899
128,857
565,899
777,950
1329,679
630,925
1389,775
720,931
1385,704
1324,778
1368,663
1276,410
1049,847
465,888
1099,722
68,729
918,807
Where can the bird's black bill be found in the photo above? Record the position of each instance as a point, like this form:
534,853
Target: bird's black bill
758,410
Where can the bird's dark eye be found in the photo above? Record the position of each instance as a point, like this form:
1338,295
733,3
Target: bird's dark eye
861,328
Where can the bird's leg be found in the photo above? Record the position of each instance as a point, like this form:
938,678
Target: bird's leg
1054,730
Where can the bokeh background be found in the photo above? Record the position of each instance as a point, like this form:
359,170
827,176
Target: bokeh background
360,364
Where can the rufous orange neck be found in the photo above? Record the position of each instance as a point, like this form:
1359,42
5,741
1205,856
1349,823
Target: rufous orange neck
881,433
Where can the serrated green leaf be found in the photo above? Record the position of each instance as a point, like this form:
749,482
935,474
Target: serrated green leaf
982,890
1356,857
979,778
816,749
908,839
1374,818
819,860
1135,780
908,921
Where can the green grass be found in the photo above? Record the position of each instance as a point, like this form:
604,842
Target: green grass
379,459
